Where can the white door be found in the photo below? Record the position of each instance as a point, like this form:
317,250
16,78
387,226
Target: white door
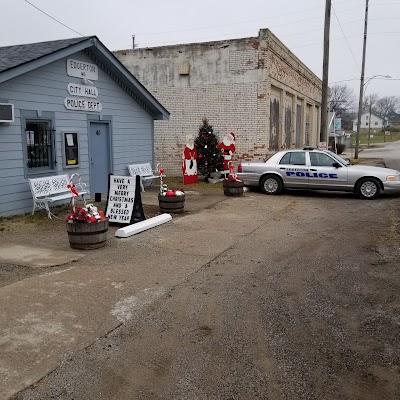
294,170
323,174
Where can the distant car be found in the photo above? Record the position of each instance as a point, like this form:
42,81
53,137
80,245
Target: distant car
311,168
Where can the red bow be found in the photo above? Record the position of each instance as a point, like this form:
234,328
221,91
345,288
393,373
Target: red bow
71,187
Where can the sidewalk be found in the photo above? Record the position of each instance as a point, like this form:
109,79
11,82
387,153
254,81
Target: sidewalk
48,317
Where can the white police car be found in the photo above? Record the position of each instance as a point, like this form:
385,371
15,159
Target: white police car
310,168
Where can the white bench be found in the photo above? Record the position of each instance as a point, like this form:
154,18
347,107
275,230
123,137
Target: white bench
145,172
52,188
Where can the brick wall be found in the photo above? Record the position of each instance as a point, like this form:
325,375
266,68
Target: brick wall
229,82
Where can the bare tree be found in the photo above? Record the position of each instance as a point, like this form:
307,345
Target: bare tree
369,102
342,101
387,106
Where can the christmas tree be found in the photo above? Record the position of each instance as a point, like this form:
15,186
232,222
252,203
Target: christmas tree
209,157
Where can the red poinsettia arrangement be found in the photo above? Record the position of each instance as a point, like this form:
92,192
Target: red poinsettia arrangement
171,192
232,178
88,214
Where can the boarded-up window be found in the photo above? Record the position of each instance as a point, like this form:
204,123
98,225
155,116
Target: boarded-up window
308,129
298,125
288,121
274,120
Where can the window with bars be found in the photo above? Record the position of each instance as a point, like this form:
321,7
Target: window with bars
40,145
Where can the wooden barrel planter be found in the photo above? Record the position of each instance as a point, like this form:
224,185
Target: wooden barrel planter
233,188
171,204
85,236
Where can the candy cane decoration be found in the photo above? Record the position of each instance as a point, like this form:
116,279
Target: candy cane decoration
160,170
71,187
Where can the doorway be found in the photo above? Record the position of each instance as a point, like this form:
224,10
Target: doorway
99,156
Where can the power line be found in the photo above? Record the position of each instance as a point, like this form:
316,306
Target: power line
271,26
357,79
253,20
235,23
344,35
336,39
345,80
54,19
172,42
385,4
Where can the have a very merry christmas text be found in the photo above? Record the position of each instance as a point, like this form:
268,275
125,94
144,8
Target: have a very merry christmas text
122,198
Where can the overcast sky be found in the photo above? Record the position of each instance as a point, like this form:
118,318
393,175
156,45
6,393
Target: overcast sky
297,23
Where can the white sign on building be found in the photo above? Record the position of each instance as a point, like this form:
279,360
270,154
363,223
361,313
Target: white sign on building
82,90
82,104
82,69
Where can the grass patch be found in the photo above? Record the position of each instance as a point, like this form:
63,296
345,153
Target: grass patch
377,137
366,161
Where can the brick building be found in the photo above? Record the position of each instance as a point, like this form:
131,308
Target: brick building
253,86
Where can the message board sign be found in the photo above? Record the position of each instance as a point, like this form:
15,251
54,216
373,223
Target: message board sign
124,203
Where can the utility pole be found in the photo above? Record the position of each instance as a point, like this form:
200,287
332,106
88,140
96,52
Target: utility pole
369,122
362,82
324,136
133,42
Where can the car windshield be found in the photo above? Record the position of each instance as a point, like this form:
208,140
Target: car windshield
340,159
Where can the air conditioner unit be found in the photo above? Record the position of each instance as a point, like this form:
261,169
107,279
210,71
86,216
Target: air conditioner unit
6,112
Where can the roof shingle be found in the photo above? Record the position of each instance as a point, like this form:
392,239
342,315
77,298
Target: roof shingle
13,56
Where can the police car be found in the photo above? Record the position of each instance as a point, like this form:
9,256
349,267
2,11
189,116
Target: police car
311,168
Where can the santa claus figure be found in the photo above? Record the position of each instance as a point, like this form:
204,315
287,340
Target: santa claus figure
189,164
228,148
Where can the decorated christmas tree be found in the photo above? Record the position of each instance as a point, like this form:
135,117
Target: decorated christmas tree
209,157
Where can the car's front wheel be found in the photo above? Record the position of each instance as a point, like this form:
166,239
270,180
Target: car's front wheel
271,185
368,188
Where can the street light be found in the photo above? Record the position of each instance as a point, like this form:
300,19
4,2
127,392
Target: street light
373,77
362,91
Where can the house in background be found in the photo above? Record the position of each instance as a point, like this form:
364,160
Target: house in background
69,106
393,119
254,87
370,121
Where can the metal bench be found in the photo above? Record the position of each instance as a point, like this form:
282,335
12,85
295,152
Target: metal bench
52,188
145,172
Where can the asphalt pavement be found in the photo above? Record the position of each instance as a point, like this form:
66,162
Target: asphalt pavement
389,152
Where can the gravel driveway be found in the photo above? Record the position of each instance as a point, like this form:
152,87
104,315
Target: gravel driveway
305,306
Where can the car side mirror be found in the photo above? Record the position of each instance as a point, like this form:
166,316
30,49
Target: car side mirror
336,165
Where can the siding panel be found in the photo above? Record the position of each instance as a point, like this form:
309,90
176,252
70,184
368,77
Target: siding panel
45,90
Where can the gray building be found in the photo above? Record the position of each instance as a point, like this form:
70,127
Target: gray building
69,106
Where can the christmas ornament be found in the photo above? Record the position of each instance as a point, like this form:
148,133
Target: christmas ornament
163,189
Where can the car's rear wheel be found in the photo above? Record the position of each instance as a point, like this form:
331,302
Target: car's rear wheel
271,184
368,188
